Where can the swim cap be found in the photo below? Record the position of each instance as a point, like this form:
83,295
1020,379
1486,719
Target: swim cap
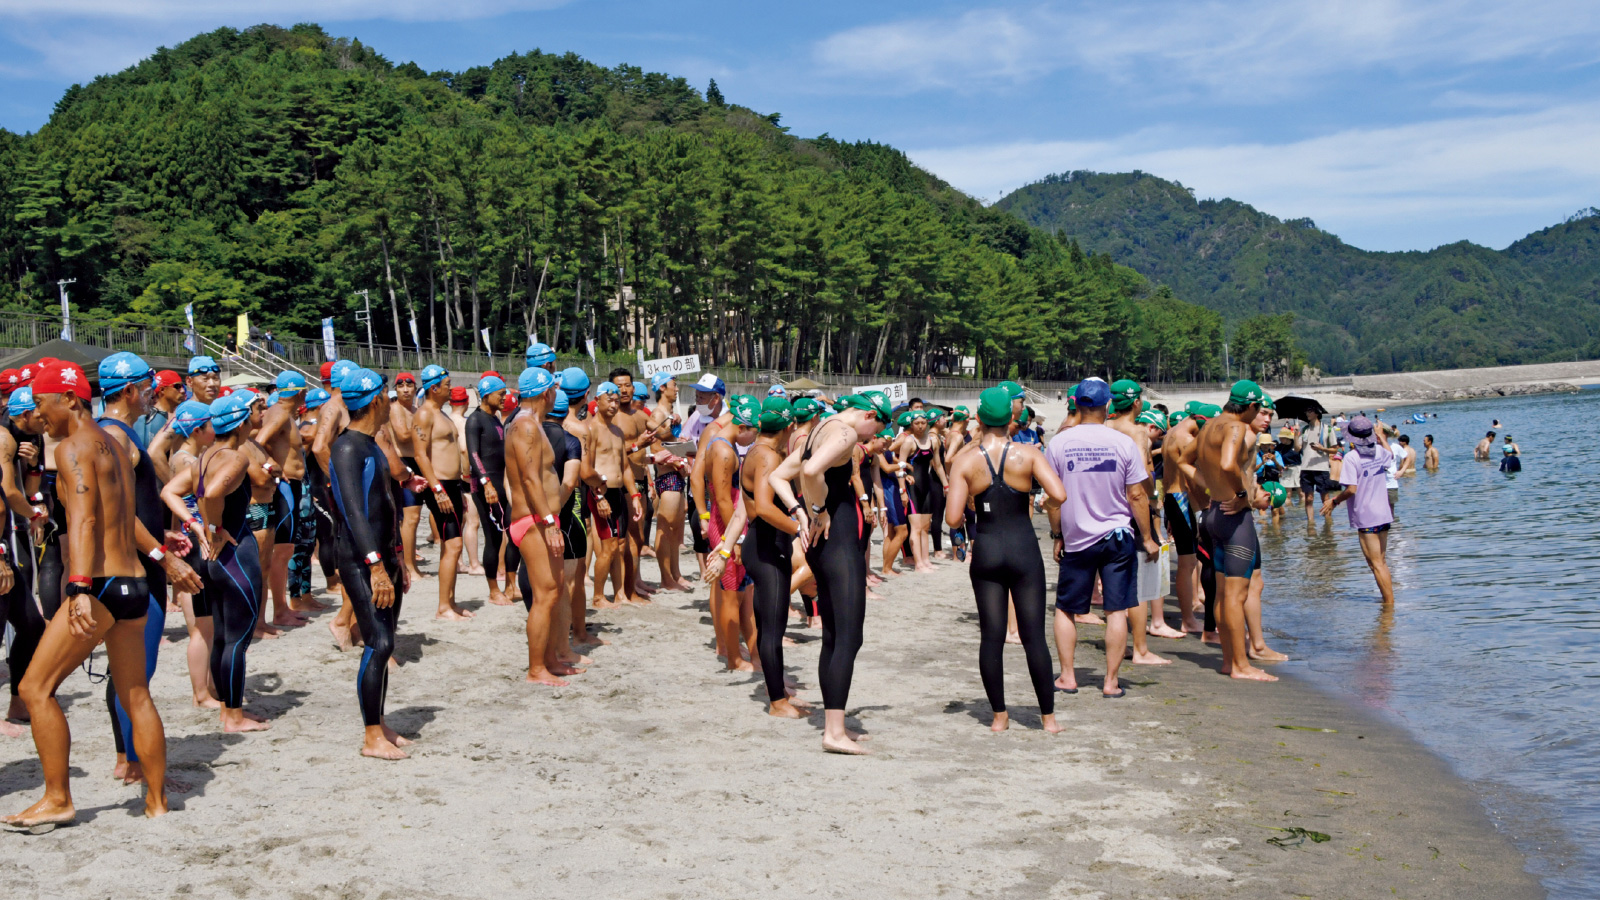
189,416
1152,417
21,401
535,381
340,369
880,404
317,397
1246,392
658,380
904,419
776,415
8,380
959,414
1012,389
1175,418
777,390
711,384
458,394
120,370
360,388
745,410
607,387
272,398
1279,493
1091,393
327,372
1267,404
433,375
57,377
887,434
805,409
202,364
541,355
1024,416
405,376
228,413
574,381
290,382
1125,393
488,384
994,407
1072,404
561,405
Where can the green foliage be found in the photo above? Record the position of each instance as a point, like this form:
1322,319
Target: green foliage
1455,306
1265,347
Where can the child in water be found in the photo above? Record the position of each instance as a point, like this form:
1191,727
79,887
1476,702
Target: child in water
1511,461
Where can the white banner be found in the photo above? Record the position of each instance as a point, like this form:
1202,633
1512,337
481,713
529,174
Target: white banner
672,365
416,341
486,348
327,340
896,392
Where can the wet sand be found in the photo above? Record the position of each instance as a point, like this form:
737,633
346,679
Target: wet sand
657,775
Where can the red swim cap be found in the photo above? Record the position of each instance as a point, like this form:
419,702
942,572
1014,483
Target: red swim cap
57,377
327,372
10,380
167,378
405,376
458,395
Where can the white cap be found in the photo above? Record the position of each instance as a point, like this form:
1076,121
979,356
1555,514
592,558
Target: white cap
711,384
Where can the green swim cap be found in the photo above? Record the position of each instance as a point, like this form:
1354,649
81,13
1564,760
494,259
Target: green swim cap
1278,493
1012,389
1246,392
1124,393
776,414
1267,404
904,419
994,407
746,411
887,434
1145,407
805,409
872,401
1024,416
1175,418
1072,404
959,414
1153,417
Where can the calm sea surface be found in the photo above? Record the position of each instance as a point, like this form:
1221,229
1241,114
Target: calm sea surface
1492,654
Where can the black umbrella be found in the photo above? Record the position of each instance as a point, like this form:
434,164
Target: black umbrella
1298,407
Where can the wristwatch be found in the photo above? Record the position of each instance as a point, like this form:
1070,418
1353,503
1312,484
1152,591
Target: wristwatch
818,509
1055,535
1242,494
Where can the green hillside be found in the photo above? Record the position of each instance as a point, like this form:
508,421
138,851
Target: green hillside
1456,306
276,171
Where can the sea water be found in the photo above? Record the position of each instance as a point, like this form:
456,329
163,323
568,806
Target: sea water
1491,656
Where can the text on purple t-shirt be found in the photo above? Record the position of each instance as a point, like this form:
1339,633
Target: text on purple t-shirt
1096,463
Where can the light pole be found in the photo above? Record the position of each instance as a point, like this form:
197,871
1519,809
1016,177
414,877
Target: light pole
66,311
366,316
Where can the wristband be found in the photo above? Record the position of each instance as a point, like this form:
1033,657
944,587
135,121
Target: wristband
705,517
438,488
635,496
372,558
548,519
818,509
2,551
157,554
82,580
37,497
211,528
1055,535
725,554
38,513
866,498
483,480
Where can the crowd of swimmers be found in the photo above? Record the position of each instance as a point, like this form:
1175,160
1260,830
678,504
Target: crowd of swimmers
183,496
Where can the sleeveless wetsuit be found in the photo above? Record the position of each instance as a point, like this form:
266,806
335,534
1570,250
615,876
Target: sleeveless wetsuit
233,588
1007,563
841,574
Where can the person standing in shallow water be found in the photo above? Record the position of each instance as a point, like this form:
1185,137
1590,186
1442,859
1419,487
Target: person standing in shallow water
1365,473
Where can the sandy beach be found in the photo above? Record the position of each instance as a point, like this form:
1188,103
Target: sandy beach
657,775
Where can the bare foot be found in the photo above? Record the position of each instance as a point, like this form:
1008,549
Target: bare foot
395,737
453,613
814,622
1251,673
289,619
561,668
741,665
341,636
1211,637
788,641
474,569
1191,627
925,568
254,717
123,767
498,598
784,709
1068,682
1150,659
306,604
890,573
13,729
418,575
1001,722
1266,654
603,603
265,632
382,750
244,724
1050,724
42,813
844,745
638,599
1013,638
648,552
585,639
542,675
1163,630
873,595
207,703
1088,619
639,587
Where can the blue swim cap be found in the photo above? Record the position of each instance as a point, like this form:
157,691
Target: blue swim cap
21,401
541,355
608,387
340,369
561,405
432,375
659,379
574,381
535,381
189,416
316,397
199,364
360,387
489,384
777,390
119,370
228,413
291,382
272,399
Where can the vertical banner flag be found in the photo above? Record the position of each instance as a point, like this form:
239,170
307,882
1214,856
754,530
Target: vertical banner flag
243,337
327,340
593,365
416,341
189,343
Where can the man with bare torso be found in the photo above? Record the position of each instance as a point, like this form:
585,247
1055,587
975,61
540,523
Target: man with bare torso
402,432
107,598
1222,457
636,436
439,462
280,437
612,508
1177,453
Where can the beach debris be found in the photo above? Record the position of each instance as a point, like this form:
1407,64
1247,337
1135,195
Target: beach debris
1294,836
1309,728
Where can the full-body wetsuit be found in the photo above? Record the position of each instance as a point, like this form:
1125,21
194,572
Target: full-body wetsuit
21,612
768,558
152,513
486,456
841,574
1007,564
233,590
369,520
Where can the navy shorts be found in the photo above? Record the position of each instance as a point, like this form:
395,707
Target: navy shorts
1115,559
1318,482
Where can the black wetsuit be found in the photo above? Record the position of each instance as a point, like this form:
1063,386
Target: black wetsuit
1007,563
149,510
369,518
486,456
768,558
23,614
233,589
841,574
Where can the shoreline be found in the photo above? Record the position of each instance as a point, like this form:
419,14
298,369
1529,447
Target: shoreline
656,774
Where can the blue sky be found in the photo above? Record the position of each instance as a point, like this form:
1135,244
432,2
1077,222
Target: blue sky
1396,124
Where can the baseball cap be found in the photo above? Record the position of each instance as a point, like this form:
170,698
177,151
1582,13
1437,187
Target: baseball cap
711,384
201,364
1246,392
119,370
1091,392
360,387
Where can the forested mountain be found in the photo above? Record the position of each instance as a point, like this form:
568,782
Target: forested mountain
1355,310
279,170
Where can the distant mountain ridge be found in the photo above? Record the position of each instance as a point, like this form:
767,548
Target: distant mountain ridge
1457,306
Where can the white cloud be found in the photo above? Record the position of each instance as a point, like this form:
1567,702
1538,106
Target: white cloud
270,10
1487,178
1252,49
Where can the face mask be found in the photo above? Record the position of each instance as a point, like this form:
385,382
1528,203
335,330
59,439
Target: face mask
704,410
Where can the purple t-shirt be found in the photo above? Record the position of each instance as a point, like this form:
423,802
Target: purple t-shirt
1369,508
1096,463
